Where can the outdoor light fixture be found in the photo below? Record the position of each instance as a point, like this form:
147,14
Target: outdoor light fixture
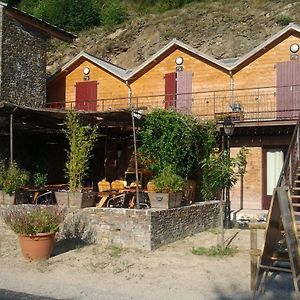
294,48
228,126
179,60
86,71
119,152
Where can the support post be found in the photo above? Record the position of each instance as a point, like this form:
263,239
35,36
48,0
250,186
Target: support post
135,161
11,158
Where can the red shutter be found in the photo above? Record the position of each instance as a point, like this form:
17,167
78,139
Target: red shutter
86,95
184,92
170,90
287,93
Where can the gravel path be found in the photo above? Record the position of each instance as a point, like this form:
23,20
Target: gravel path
171,272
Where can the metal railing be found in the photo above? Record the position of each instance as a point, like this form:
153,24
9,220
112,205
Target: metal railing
291,162
260,104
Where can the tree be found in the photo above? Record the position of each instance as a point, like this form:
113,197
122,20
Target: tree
171,139
81,140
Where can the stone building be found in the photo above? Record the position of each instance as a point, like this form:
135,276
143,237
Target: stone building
23,56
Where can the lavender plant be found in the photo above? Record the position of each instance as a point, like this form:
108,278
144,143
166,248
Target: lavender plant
24,220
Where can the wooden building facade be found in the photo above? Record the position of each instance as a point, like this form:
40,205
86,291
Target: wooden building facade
260,91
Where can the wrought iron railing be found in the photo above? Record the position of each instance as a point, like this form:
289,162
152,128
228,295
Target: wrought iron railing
264,103
291,162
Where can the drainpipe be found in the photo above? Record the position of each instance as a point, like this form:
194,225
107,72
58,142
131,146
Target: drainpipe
231,87
134,144
129,93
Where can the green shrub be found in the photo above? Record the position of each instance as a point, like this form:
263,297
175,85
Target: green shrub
73,15
220,171
215,251
37,219
171,139
168,182
14,178
113,13
39,179
283,20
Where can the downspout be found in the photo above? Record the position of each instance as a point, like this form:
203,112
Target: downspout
134,144
231,87
129,93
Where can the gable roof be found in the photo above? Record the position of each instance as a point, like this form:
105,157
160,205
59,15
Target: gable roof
173,45
227,64
44,27
288,30
109,67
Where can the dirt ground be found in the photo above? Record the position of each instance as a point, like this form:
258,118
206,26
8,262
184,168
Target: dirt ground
171,272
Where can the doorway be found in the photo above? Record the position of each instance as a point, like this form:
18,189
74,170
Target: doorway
273,159
86,95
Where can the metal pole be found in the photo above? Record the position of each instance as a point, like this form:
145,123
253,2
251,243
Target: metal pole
11,139
135,161
227,221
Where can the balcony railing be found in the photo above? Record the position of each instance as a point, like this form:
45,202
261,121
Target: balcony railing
259,104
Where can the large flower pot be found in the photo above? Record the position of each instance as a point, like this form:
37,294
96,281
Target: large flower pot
76,199
39,246
8,199
165,200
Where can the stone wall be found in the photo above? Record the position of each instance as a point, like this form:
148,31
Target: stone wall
145,229
142,229
23,64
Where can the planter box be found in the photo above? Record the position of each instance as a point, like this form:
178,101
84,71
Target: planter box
6,198
76,199
165,200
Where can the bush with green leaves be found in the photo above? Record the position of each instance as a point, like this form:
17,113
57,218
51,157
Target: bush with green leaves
168,182
219,171
113,13
26,220
39,179
73,15
81,139
169,138
12,177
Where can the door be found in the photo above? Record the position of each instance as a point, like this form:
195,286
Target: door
86,95
184,92
288,89
272,164
170,90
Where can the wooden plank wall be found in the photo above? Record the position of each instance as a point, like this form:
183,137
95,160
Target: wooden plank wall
205,78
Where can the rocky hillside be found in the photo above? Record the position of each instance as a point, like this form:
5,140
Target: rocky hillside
221,28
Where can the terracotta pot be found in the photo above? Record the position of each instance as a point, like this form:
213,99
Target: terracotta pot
39,246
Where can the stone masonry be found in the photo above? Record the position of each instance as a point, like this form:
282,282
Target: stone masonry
142,229
145,229
23,63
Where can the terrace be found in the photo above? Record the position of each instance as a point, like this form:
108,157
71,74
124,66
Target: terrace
253,104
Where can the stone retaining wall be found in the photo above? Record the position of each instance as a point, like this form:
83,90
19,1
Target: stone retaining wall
142,229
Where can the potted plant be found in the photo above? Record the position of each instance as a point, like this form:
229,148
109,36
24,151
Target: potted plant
11,179
36,227
81,139
168,190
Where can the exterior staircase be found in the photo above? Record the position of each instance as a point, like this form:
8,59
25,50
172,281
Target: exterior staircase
290,173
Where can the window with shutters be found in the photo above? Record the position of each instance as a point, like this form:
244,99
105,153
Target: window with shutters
178,91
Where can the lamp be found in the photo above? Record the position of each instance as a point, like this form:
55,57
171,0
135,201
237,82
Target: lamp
228,126
119,152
